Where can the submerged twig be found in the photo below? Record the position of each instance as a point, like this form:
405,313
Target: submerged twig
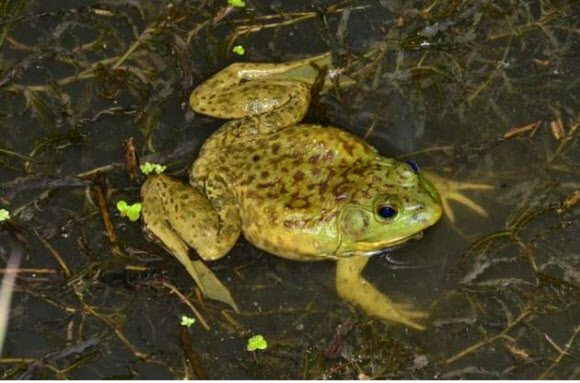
523,315
99,189
183,298
54,253
561,354
192,356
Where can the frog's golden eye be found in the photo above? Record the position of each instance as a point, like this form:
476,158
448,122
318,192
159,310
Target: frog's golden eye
387,212
413,165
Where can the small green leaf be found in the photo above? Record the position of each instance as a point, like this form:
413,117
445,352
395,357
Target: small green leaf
239,50
146,168
237,3
4,215
122,207
133,212
257,343
187,321
149,168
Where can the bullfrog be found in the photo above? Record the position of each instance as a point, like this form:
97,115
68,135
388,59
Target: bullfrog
304,192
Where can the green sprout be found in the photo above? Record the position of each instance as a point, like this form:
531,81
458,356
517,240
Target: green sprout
133,212
4,215
148,168
237,3
257,342
239,50
187,321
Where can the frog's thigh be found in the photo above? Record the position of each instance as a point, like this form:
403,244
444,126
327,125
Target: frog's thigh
221,203
352,287
289,99
189,214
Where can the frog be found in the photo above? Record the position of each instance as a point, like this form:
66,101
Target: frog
300,191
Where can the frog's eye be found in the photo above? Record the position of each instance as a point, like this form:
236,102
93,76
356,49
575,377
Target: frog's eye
413,166
387,212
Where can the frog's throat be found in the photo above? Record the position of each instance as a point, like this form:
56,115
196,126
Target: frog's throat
370,248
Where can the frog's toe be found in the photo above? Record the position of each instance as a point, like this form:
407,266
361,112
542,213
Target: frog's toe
409,311
450,190
409,322
462,199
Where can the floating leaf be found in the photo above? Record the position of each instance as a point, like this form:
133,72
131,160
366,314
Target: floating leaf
149,168
122,206
4,215
257,343
238,49
187,321
133,212
237,3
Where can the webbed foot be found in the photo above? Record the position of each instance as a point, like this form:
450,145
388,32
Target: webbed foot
352,287
449,190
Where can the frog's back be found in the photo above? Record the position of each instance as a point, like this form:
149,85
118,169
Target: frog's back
292,181
262,158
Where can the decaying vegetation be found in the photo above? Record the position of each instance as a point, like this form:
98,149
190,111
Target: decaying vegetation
475,90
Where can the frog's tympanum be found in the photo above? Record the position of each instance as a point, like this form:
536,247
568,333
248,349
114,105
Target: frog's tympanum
300,191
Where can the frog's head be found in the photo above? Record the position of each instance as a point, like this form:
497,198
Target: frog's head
393,204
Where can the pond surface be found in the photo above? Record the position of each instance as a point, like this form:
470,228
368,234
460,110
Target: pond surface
476,91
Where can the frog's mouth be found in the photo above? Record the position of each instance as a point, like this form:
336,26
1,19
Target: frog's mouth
419,235
372,248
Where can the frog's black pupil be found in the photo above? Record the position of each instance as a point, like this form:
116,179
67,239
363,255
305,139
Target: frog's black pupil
413,166
387,212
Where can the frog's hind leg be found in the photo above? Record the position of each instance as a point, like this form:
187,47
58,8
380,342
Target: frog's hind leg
266,105
227,94
155,196
245,90
352,287
210,230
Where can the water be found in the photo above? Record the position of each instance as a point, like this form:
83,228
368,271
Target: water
445,85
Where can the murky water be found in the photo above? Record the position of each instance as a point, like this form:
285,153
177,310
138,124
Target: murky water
476,91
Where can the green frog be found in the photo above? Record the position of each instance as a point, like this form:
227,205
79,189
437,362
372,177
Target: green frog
300,191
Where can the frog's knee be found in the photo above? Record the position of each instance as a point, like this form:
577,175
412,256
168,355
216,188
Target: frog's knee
155,186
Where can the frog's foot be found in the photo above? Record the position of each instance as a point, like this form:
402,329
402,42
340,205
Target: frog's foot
309,69
352,287
449,190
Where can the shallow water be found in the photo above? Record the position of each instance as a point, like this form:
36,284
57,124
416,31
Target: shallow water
483,92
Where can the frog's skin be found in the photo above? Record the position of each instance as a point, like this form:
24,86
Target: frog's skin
300,191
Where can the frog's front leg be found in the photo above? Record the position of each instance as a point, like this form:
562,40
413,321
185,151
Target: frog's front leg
449,190
352,287
177,213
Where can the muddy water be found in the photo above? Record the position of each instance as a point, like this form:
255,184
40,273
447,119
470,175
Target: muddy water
482,92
